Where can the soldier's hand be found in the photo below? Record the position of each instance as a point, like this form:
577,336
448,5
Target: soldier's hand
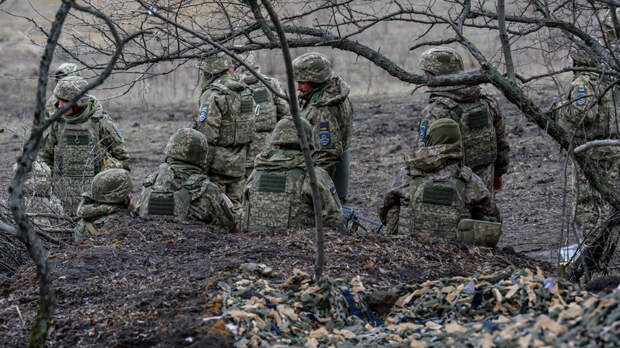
497,184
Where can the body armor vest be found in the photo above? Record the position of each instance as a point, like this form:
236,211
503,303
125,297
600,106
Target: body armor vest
276,201
478,134
435,207
165,197
237,126
77,159
267,117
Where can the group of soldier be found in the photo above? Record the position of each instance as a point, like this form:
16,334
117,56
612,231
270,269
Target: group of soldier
240,164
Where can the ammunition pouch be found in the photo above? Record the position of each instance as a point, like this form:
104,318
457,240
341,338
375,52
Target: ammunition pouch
482,233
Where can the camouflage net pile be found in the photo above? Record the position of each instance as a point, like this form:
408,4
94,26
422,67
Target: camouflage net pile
503,307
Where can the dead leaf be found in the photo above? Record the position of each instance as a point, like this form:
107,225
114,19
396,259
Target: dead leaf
453,327
318,333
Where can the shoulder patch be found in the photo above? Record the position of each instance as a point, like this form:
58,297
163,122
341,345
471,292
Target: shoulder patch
202,113
333,190
581,97
324,135
118,132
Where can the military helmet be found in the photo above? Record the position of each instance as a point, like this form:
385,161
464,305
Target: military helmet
285,133
66,69
69,87
441,61
39,180
444,131
216,63
581,57
110,186
312,67
188,145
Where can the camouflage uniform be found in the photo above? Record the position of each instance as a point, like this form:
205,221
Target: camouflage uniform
440,191
78,147
64,70
278,192
478,114
108,196
272,109
589,120
226,116
38,196
328,109
179,189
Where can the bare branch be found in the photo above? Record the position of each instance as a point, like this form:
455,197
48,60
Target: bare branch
503,37
596,143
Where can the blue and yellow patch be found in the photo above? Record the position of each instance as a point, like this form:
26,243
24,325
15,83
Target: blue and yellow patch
202,113
580,97
324,135
118,132
332,190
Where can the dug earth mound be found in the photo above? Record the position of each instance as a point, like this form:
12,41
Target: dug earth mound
153,283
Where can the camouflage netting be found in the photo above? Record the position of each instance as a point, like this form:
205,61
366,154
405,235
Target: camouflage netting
497,308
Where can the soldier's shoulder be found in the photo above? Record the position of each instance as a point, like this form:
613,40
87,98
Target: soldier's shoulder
438,108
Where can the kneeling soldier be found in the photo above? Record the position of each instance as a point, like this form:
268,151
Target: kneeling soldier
441,194
179,189
278,192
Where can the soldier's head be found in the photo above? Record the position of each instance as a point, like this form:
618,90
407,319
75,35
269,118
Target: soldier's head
581,58
111,186
441,61
311,69
64,70
284,135
249,59
189,146
444,131
66,89
608,26
216,64
39,180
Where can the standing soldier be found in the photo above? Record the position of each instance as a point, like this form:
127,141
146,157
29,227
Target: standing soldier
440,193
64,70
325,104
180,190
278,193
482,126
82,143
272,108
226,117
589,116
109,195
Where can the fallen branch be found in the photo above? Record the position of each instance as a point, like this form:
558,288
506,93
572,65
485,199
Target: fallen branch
595,143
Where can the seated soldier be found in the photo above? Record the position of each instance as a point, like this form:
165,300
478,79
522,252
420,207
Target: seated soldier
38,197
440,191
179,189
278,192
109,195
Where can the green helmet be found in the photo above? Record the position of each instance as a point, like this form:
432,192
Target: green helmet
441,61
444,131
285,133
581,58
312,67
110,186
69,87
66,69
188,145
216,63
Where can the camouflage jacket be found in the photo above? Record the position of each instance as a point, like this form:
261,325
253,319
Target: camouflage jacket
278,194
190,194
583,114
272,108
441,162
330,112
443,103
110,138
219,118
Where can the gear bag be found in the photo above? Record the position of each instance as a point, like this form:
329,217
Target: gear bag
482,233
275,201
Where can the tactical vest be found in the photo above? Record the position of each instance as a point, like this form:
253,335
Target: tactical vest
78,156
477,131
267,117
276,201
237,126
162,199
435,206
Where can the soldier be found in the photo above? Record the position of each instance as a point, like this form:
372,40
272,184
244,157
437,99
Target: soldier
226,116
64,70
82,143
272,108
109,195
278,193
480,120
326,105
440,191
588,116
38,196
179,188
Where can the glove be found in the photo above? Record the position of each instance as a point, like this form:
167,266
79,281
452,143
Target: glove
497,184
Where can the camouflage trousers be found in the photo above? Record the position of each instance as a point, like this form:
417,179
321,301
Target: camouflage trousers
232,187
258,144
589,208
487,174
392,219
69,190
